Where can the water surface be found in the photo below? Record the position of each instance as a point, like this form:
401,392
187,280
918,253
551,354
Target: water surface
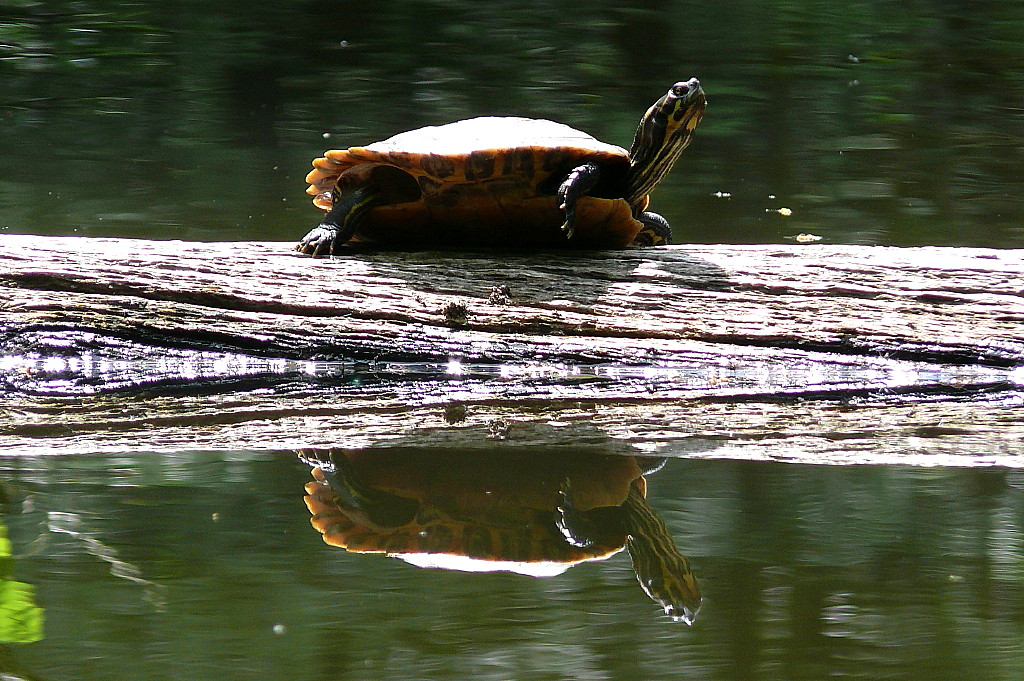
874,122
196,566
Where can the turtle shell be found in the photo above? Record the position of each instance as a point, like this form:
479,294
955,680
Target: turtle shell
477,515
487,181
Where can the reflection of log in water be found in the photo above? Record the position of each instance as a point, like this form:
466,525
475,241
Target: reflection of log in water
517,512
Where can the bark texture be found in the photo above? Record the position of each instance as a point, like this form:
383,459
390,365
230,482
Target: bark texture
768,351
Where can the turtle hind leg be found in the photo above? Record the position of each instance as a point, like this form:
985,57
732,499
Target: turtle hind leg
656,231
340,223
357,499
577,183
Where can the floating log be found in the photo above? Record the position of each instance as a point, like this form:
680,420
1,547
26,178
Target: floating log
797,351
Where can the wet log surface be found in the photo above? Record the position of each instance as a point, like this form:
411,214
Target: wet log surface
801,352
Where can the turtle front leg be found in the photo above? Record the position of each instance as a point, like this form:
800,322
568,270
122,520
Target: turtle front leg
573,525
580,180
340,223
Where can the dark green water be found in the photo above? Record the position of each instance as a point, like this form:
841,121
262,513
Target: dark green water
875,122
196,567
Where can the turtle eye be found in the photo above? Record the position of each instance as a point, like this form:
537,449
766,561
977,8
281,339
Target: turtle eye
680,89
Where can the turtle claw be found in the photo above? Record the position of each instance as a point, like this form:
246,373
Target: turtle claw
317,458
569,226
320,241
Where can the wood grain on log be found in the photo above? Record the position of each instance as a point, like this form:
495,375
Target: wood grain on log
161,345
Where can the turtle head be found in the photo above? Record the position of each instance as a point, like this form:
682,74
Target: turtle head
665,575
675,590
664,131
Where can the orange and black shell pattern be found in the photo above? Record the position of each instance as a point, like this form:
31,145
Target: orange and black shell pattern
490,181
441,527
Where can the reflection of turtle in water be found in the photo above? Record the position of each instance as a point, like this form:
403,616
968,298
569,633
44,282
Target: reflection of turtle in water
520,513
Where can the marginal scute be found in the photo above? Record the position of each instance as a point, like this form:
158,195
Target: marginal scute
436,539
476,542
519,161
557,159
480,165
397,542
436,165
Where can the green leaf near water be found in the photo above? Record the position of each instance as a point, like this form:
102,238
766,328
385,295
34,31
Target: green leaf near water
21,620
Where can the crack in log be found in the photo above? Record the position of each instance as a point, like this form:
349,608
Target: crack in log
220,301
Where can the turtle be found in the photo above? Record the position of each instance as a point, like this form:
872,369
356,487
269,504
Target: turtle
503,181
522,513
